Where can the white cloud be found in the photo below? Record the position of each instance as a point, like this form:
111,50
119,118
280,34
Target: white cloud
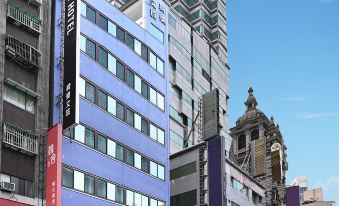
318,115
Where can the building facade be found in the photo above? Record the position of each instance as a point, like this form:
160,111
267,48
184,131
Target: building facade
118,153
24,99
258,148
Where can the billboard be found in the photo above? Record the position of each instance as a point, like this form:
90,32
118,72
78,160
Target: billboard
276,160
71,63
53,173
210,114
292,196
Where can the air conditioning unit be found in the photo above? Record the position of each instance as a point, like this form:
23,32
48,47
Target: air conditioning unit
7,186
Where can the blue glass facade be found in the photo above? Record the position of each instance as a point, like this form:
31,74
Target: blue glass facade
88,157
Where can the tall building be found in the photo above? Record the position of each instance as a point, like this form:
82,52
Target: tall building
208,18
194,69
302,182
118,152
24,99
258,148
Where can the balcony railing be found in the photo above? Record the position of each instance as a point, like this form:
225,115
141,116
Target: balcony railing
19,138
23,18
22,53
35,2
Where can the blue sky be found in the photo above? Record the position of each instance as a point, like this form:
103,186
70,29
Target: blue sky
288,50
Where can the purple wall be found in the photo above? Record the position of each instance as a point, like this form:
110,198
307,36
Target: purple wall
292,196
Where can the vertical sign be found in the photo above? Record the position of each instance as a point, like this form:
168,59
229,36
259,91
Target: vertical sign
71,64
53,179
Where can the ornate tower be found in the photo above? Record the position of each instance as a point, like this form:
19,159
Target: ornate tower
258,147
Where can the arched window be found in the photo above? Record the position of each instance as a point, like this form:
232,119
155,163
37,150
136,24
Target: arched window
241,142
254,135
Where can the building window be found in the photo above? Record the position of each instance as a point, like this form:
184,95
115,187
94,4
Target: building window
102,144
119,152
241,142
89,184
112,28
129,198
102,190
82,87
161,102
102,100
103,58
157,33
130,41
153,60
144,89
112,64
110,191
83,43
130,117
137,161
120,34
145,164
172,22
130,157
90,14
89,138
130,79
19,99
90,48
184,170
144,200
137,84
67,177
160,66
111,105
161,172
120,111
23,187
161,136
184,199
137,46
144,52
153,169
120,71
153,132
111,148
144,126
119,194
254,135
90,92
137,121
79,181
153,95
83,8
103,22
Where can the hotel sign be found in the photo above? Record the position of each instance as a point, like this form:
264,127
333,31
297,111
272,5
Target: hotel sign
154,13
71,64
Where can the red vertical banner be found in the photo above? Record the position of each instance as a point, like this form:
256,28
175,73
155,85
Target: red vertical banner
53,179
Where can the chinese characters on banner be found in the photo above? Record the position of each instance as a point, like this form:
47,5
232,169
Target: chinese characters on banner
153,11
53,180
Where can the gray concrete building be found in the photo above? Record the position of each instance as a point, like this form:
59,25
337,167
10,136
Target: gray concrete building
24,98
258,148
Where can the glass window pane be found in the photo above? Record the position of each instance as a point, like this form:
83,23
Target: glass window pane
161,136
102,22
111,105
79,181
83,8
112,64
130,157
145,164
130,117
153,202
89,184
129,198
137,160
14,96
29,189
137,46
102,144
83,43
67,177
137,199
119,152
144,126
102,100
119,194
90,92
89,138
110,191
144,52
160,66
90,49
103,59
120,34
111,148
157,33
137,122
161,203
161,172
153,60
112,28
120,71
90,14
79,133
130,41
120,111
153,168
30,104
144,200
137,84
153,132
153,95
161,101
82,87
130,79
102,190
144,89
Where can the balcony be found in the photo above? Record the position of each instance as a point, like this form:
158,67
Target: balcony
23,19
19,139
22,53
35,2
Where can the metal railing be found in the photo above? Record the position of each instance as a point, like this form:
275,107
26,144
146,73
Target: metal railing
19,138
22,52
24,17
